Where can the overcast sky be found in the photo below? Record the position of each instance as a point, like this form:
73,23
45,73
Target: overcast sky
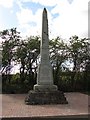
66,17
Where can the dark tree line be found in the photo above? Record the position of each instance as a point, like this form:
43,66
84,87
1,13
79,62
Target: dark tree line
27,53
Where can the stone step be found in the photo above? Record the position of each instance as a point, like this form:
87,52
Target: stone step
45,97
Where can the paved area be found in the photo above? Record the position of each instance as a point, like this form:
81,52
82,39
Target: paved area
13,106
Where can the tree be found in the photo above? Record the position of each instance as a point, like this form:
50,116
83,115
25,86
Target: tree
21,54
78,54
27,53
33,50
11,38
58,55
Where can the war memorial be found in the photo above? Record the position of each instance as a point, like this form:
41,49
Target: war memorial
45,101
45,92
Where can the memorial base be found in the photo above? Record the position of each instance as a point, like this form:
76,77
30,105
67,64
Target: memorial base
45,87
45,97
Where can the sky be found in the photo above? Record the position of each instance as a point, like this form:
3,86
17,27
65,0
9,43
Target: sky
65,17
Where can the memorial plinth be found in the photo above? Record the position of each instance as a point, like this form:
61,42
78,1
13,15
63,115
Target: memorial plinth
45,92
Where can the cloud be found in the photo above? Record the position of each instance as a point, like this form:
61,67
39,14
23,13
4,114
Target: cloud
42,2
46,3
72,19
6,3
31,23
70,1
25,16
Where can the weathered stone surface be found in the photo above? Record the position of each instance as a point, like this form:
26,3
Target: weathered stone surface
52,97
45,92
45,88
44,77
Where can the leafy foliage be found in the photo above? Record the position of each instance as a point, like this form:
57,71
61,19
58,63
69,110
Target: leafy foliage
78,52
27,53
11,38
58,55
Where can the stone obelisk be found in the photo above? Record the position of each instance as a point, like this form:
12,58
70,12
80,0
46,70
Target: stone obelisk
45,77
45,92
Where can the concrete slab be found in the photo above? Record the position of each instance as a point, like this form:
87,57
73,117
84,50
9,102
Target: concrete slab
13,106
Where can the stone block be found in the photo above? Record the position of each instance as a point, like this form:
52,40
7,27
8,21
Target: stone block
45,97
